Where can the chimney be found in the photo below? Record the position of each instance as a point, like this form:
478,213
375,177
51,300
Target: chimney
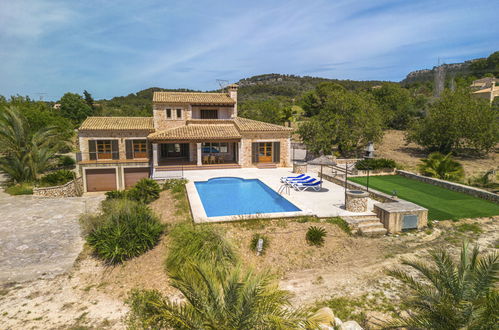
232,91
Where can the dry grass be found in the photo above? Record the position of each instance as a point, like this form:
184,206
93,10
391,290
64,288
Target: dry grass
409,155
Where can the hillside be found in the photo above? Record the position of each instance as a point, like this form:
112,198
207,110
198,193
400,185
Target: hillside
273,84
469,70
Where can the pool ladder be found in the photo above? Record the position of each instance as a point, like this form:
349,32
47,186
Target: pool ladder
284,188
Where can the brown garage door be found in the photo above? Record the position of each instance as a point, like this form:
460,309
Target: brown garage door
132,175
101,179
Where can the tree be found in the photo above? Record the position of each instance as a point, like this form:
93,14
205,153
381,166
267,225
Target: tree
40,115
455,122
26,152
447,294
346,119
396,103
441,166
74,107
312,102
275,110
223,297
89,100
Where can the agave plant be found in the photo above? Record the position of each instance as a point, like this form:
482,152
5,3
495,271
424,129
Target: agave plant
442,167
447,294
25,153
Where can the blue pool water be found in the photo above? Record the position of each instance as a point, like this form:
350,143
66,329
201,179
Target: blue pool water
236,196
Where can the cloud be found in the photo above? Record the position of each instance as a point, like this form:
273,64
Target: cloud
114,47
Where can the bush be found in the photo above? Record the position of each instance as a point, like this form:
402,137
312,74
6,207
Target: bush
315,235
57,178
145,191
175,185
340,223
124,230
20,189
197,244
375,164
116,194
65,161
254,242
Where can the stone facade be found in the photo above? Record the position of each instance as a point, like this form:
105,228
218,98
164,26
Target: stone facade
71,189
356,201
392,215
121,136
479,193
249,138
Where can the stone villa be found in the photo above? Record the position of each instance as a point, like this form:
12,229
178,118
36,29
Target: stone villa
188,131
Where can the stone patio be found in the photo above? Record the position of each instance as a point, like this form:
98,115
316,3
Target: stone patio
329,202
40,237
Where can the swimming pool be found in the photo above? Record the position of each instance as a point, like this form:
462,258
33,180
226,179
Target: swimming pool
236,196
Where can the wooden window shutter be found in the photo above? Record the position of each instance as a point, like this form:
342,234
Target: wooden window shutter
129,149
114,149
254,152
277,152
92,150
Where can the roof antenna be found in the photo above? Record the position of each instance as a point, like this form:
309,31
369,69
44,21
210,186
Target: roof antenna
223,84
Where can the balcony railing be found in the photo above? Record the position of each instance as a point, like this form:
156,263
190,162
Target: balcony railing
108,157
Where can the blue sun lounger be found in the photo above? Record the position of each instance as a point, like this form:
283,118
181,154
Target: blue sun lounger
285,178
302,186
302,179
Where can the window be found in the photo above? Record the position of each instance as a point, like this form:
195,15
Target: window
139,149
215,147
106,149
169,113
209,114
179,113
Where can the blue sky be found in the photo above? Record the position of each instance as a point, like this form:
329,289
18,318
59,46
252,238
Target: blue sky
114,48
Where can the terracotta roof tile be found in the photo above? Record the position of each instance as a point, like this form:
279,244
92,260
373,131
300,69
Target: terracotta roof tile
245,124
192,98
194,132
117,123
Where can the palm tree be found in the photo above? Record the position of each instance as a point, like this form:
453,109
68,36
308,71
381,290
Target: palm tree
441,166
217,297
25,153
447,294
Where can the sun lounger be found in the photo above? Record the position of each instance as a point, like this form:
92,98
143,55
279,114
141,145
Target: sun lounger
300,186
284,178
302,179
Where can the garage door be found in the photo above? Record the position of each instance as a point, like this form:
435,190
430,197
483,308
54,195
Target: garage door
132,175
101,179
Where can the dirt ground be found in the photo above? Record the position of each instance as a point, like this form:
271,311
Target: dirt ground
92,295
394,147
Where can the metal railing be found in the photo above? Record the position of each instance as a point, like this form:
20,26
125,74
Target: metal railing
103,157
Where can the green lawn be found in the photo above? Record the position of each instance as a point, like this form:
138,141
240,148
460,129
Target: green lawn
443,204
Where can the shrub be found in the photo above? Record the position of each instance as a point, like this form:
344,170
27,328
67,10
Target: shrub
375,164
124,230
145,191
315,235
340,223
57,178
254,242
175,185
20,189
197,244
442,167
65,161
116,194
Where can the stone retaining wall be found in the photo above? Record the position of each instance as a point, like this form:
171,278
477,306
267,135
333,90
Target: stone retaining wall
479,193
373,194
71,189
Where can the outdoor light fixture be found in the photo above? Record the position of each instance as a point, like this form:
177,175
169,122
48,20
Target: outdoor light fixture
369,154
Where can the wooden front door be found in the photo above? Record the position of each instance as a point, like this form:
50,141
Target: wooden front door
265,152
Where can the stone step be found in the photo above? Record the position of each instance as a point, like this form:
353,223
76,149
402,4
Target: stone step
368,225
373,232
